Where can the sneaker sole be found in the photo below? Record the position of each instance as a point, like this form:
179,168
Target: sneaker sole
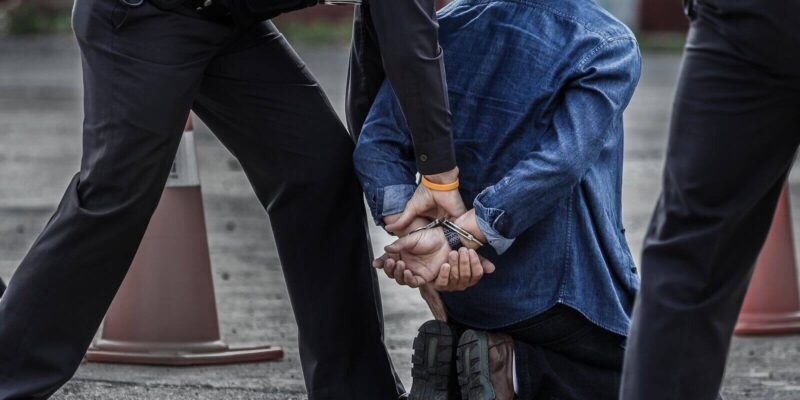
474,376
434,351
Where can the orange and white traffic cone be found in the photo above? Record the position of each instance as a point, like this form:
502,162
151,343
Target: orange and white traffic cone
165,313
772,304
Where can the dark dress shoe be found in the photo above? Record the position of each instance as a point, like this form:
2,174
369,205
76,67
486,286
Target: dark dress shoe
433,370
486,366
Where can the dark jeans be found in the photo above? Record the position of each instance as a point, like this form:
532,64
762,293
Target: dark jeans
734,133
144,69
561,355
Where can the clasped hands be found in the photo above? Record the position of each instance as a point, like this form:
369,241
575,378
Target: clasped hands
424,259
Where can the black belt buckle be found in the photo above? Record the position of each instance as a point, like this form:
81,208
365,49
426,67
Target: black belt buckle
132,3
342,2
214,9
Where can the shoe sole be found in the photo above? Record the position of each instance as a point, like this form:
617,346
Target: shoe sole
474,376
434,352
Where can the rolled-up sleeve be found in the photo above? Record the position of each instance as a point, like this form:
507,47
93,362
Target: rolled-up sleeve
598,91
384,158
495,238
399,38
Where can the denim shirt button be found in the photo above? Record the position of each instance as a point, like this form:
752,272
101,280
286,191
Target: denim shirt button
635,270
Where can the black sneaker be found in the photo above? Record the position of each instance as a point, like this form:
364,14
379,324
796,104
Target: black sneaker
485,366
433,370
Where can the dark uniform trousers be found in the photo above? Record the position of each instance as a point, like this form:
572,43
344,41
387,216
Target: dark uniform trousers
144,69
733,137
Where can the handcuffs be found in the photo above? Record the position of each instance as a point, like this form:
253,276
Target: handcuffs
452,232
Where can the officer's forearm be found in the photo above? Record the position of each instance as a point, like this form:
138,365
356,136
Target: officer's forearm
407,34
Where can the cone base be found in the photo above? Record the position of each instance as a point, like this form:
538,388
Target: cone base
183,358
768,324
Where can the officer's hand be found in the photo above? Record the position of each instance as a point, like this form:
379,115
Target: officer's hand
431,204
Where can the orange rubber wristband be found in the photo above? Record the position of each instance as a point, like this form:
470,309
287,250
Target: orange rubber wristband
440,187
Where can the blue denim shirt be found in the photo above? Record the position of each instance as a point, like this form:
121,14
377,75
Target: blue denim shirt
537,90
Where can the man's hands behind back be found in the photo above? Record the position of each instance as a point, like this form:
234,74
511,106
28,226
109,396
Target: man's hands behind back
430,203
425,257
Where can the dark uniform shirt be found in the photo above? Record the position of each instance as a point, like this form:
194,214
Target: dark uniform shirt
398,40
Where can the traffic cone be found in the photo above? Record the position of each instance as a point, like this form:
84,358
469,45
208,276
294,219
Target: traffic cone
165,313
772,303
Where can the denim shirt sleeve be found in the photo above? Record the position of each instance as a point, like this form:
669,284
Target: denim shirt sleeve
598,90
384,157
495,239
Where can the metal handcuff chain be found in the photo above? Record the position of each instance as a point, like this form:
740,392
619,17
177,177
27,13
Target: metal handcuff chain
452,226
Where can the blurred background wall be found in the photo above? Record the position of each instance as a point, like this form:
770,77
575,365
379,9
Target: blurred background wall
625,10
661,16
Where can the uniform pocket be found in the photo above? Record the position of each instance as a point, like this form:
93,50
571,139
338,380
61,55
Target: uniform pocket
92,19
120,13
127,11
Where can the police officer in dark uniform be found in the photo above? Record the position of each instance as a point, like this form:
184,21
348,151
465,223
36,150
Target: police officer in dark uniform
733,138
146,64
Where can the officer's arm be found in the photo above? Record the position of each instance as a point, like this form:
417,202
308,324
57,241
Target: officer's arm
407,35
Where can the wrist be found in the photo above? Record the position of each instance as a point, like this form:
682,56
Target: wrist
444,177
418,222
469,223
